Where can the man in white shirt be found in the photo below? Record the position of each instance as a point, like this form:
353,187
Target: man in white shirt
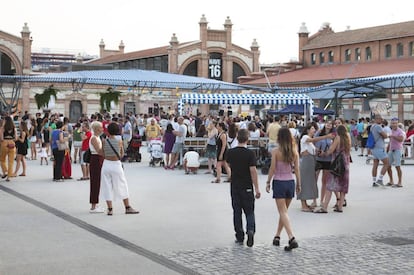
180,135
191,161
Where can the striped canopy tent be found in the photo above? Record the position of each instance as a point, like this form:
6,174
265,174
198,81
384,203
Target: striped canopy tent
249,99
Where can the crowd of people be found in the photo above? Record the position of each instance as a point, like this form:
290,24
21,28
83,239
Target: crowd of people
296,150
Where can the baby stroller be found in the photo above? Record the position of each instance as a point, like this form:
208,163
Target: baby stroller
156,151
264,160
132,152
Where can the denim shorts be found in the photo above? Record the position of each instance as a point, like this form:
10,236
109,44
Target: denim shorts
379,153
283,189
395,157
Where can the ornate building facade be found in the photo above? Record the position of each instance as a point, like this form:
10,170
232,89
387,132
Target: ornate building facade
213,56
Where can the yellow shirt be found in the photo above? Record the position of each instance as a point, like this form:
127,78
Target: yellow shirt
272,131
153,131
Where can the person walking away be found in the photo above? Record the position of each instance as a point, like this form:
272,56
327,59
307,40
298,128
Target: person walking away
169,140
378,152
113,181
244,187
95,165
395,151
58,155
280,179
222,145
340,145
8,147
21,146
272,131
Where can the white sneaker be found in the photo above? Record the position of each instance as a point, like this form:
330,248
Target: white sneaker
96,210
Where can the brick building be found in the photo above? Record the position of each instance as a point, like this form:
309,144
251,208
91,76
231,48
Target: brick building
329,56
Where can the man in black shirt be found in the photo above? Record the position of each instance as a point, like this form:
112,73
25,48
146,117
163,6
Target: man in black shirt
243,178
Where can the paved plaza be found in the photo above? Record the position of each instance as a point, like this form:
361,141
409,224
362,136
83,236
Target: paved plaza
185,227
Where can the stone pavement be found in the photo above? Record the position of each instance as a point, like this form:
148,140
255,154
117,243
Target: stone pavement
185,227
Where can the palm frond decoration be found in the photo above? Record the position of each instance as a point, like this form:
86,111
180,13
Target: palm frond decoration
43,99
108,97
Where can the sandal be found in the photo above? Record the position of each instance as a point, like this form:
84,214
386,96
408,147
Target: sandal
276,241
109,212
306,210
320,210
215,181
337,210
227,180
292,244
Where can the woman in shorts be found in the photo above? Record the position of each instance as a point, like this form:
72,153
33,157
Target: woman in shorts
283,184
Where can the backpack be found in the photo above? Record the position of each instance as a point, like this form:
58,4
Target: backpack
370,141
337,166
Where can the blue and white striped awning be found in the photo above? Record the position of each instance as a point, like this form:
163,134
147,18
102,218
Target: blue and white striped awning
241,99
250,99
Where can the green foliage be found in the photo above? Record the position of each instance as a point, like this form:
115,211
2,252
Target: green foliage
42,100
108,97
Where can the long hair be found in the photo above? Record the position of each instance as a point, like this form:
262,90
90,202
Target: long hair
8,124
169,128
324,131
23,127
345,140
284,138
232,132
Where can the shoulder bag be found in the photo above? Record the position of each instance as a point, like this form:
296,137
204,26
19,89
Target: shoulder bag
113,149
337,167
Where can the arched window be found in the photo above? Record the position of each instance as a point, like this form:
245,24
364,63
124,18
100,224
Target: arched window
6,65
411,49
321,58
347,55
237,72
388,51
368,54
191,69
331,57
400,50
313,59
357,54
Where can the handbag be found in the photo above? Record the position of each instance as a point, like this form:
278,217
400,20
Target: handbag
337,167
62,146
87,156
116,153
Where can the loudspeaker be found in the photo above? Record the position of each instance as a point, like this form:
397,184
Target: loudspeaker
229,112
150,110
221,113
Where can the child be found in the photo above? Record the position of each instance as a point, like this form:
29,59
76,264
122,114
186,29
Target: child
43,154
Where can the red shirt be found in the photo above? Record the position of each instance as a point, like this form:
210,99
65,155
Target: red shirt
105,124
85,142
